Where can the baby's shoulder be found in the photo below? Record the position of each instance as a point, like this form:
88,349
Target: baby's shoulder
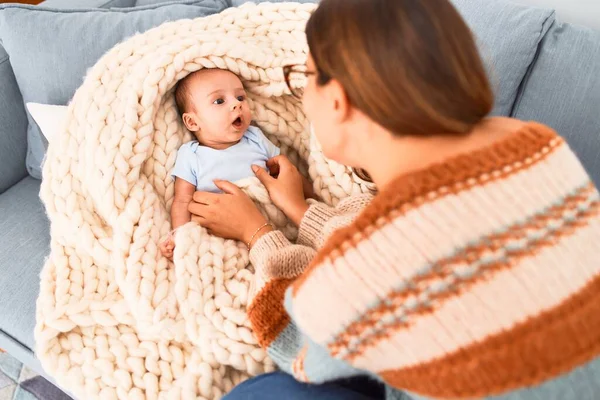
189,147
257,139
254,134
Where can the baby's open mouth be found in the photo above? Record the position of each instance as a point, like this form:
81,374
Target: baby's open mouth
237,123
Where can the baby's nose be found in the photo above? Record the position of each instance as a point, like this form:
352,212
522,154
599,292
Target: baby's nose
236,104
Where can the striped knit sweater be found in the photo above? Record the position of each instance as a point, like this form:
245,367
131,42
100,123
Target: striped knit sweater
475,277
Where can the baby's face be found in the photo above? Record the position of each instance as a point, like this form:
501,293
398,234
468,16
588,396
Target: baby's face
220,107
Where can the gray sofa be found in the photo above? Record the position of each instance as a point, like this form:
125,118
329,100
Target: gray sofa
542,69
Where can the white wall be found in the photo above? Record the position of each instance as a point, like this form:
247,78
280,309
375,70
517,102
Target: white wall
581,12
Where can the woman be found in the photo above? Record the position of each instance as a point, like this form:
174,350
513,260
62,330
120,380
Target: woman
473,270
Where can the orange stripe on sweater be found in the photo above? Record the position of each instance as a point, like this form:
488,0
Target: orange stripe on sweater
520,151
444,269
298,365
267,315
541,348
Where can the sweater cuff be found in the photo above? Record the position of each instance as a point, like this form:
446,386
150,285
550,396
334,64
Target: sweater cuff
259,257
310,231
266,246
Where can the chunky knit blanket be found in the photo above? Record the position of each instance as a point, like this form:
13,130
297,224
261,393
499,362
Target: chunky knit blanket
115,319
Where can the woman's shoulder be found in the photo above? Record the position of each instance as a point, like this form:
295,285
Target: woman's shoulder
510,124
502,128
517,146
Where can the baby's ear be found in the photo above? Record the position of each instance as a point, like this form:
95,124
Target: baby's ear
190,122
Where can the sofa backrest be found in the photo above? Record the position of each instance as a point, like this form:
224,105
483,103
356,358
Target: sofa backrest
579,12
13,117
13,127
508,35
562,89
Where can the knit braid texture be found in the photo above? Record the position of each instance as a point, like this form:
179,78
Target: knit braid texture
116,319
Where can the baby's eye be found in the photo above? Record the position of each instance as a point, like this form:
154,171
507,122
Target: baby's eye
241,98
219,101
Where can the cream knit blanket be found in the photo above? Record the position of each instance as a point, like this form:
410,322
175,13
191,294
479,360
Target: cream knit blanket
115,319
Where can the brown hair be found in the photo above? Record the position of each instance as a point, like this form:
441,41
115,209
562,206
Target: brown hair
410,65
182,94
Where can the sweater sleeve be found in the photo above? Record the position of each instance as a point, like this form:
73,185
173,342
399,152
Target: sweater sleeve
279,263
310,231
274,257
321,220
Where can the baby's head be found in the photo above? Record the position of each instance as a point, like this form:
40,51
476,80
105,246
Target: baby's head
213,106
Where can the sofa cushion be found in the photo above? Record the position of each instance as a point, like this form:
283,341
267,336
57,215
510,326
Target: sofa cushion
70,4
563,91
67,43
237,3
13,127
24,245
578,12
145,3
507,35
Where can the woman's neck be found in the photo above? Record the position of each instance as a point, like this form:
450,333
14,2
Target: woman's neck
396,156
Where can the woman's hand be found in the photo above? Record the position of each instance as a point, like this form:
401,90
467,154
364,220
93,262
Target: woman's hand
286,187
231,215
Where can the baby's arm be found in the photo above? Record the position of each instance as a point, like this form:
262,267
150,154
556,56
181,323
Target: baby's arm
184,191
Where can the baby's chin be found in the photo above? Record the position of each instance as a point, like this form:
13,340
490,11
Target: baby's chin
234,135
239,130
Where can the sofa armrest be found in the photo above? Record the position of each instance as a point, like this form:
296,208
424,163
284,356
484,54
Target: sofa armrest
70,4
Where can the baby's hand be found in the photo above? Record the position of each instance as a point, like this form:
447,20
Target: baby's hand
167,247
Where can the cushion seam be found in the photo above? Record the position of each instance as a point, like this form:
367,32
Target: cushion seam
105,4
5,59
11,337
538,49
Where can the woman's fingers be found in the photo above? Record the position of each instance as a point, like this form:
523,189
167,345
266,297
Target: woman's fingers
280,165
273,166
198,209
271,162
308,189
277,162
274,171
227,187
263,176
199,220
205,197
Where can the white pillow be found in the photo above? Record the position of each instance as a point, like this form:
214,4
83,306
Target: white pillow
49,118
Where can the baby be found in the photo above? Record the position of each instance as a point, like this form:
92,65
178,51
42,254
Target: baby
213,106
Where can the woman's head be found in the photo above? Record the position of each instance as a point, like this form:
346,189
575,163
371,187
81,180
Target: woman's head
408,66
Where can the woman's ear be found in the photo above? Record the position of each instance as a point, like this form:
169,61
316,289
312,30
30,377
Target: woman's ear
190,121
338,100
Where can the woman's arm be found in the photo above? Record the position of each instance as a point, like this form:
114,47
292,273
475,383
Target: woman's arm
279,264
319,220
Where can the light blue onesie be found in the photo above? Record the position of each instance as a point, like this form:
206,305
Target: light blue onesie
200,165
